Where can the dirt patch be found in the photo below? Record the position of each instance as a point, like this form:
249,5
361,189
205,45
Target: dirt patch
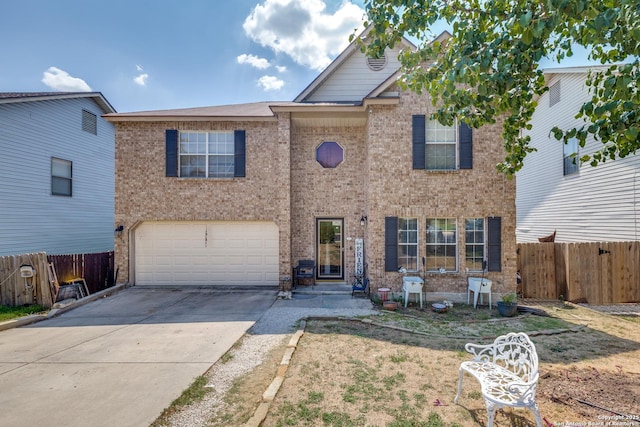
591,393
350,373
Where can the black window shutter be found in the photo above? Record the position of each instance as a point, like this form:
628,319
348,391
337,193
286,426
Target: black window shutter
240,165
494,243
171,152
418,140
465,139
391,243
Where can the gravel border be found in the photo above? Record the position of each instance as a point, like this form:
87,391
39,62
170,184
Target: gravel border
271,330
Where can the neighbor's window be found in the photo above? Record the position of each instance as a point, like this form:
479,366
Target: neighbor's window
60,177
570,156
441,146
89,122
408,243
554,94
474,243
442,244
206,154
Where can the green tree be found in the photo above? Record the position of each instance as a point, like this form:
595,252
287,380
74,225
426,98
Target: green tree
496,48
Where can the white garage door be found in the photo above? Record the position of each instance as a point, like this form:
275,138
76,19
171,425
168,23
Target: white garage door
206,253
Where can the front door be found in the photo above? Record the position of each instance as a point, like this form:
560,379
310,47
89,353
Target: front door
329,250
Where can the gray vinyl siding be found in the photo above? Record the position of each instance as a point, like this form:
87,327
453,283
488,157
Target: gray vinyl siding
33,220
595,204
354,80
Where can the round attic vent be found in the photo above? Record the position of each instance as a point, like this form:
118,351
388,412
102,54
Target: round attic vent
377,64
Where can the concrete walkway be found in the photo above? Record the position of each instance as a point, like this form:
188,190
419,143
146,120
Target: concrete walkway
119,360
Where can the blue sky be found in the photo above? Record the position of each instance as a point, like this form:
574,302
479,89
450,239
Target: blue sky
151,54
164,54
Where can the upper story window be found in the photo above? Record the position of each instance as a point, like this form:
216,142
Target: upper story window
329,154
438,147
206,154
89,122
571,160
61,177
474,243
442,146
408,243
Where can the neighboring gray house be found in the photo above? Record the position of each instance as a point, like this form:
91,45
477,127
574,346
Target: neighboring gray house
56,173
581,203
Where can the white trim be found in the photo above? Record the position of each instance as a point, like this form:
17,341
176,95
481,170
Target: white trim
340,59
31,97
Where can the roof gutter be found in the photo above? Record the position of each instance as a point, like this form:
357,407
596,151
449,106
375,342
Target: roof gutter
189,118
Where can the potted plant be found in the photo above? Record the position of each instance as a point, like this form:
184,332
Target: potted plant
509,305
390,305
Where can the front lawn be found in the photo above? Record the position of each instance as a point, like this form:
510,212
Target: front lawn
8,313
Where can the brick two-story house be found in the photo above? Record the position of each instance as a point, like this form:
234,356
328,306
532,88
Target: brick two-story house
237,194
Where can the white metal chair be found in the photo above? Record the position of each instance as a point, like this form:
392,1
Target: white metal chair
507,371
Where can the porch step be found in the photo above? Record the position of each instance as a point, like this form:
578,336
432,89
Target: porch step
323,289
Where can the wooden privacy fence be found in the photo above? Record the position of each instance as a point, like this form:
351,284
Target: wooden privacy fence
96,269
595,272
18,290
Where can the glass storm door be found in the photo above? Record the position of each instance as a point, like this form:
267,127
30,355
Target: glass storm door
330,265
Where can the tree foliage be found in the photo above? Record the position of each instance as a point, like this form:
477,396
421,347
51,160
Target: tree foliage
489,68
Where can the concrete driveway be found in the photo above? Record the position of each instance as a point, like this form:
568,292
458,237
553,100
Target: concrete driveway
122,359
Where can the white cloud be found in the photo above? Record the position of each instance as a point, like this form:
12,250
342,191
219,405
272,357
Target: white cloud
254,61
269,83
281,68
60,80
303,30
141,79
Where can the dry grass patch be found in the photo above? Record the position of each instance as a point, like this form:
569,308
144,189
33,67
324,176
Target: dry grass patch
350,373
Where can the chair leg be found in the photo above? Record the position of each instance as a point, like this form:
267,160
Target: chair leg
459,387
536,413
491,413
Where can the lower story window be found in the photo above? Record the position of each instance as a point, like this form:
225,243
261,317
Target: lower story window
442,244
474,243
408,243
61,176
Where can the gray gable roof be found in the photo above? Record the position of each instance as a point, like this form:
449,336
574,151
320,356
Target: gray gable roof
13,97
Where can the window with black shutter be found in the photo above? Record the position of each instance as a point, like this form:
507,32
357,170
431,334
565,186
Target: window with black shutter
171,152
438,147
391,243
205,154
494,244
